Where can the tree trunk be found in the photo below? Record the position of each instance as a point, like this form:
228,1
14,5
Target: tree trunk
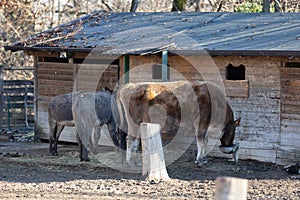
266,6
134,5
197,9
277,6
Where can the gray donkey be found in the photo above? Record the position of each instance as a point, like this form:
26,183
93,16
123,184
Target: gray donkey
88,112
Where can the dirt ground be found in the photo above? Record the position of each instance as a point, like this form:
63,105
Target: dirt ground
28,172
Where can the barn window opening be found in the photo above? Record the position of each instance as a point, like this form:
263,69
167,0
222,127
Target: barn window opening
53,59
235,73
157,71
95,61
292,64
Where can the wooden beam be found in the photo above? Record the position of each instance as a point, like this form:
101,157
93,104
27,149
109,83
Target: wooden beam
126,68
37,134
164,66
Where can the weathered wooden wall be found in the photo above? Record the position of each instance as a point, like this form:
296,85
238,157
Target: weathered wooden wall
267,101
259,131
289,148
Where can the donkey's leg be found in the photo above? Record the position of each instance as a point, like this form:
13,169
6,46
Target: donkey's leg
201,147
83,152
96,133
133,141
52,135
111,126
59,129
122,146
132,147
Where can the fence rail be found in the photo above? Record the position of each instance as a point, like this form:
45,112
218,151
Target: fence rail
16,102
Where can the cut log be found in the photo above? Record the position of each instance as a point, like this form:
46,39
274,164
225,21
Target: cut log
229,188
153,155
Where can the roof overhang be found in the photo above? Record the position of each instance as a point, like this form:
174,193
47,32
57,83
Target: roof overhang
106,51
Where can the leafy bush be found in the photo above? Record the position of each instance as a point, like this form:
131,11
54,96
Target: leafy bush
249,7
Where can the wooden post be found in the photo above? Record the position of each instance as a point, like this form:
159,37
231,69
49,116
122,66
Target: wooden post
126,68
153,155
229,188
164,66
1,97
37,131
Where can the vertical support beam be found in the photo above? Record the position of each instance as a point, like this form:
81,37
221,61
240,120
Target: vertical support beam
37,132
164,66
1,97
126,69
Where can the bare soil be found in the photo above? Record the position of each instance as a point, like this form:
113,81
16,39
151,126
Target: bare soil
28,172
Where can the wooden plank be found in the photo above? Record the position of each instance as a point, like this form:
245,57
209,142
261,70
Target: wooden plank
288,156
17,90
290,116
55,72
237,88
53,66
290,70
253,154
13,105
290,122
258,137
56,77
290,77
290,140
60,83
290,129
19,83
53,91
290,109
15,98
290,98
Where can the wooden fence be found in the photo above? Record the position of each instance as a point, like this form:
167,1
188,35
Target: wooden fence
16,103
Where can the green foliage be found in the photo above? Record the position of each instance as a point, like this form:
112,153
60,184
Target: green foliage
178,5
249,7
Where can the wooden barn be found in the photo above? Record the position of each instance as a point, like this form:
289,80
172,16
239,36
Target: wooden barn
256,56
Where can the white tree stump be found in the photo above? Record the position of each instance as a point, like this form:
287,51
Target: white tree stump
153,155
229,188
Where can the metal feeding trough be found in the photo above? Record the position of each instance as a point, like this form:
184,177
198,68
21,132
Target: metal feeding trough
231,150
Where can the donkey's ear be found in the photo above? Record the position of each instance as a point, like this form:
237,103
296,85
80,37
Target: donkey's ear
237,122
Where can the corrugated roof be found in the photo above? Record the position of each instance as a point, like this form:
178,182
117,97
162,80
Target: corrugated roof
119,33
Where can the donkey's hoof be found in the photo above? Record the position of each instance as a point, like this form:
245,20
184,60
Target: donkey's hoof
85,160
201,161
53,154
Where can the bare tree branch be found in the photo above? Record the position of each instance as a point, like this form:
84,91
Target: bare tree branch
107,6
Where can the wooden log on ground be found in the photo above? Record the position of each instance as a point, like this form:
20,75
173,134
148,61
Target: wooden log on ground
229,188
153,155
